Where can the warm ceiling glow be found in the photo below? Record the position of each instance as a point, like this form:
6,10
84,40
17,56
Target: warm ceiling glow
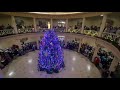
56,13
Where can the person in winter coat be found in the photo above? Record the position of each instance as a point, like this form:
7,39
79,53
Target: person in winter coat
96,61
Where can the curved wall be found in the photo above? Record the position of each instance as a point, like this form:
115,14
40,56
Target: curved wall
8,41
81,15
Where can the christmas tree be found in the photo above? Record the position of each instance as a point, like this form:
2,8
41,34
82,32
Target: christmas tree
51,54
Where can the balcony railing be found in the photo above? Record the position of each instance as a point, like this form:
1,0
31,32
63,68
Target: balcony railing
91,32
110,37
6,32
27,30
74,30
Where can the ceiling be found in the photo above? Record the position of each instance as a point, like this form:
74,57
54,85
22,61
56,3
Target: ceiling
56,13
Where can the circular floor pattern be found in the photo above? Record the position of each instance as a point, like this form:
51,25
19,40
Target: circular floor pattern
77,66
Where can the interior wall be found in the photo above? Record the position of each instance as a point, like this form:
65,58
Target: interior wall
5,20
73,22
91,42
93,21
8,42
116,19
38,19
27,21
55,21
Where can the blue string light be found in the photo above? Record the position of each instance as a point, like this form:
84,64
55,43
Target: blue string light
51,54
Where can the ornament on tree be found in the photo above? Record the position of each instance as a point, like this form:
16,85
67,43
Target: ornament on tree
51,54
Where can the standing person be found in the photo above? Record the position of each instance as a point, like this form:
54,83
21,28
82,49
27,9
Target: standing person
33,47
96,61
1,74
105,73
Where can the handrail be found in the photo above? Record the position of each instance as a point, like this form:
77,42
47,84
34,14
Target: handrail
26,30
91,32
101,42
6,32
31,30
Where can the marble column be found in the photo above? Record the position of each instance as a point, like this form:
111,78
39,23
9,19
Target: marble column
66,25
51,22
83,24
34,22
95,52
14,25
80,42
102,25
38,45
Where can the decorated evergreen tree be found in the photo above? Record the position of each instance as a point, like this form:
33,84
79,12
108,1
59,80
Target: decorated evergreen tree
51,54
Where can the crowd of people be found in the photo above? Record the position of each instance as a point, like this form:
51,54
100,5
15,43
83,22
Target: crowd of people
25,29
2,27
71,45
92,27
111,29
114,39
59,28
8,55
103,61
87,50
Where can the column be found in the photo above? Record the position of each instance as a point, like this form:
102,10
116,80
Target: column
14,25
83,24
34,22
51,22
80,42
114,64
38,45
95,52
66,25
102,25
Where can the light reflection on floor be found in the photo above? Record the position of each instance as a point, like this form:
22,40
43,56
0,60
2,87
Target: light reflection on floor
76,66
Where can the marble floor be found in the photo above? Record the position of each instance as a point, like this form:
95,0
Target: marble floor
77,66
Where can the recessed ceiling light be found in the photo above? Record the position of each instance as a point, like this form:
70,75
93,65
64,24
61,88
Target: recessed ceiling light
101,15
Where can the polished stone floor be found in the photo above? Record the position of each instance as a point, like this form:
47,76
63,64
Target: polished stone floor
77,66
